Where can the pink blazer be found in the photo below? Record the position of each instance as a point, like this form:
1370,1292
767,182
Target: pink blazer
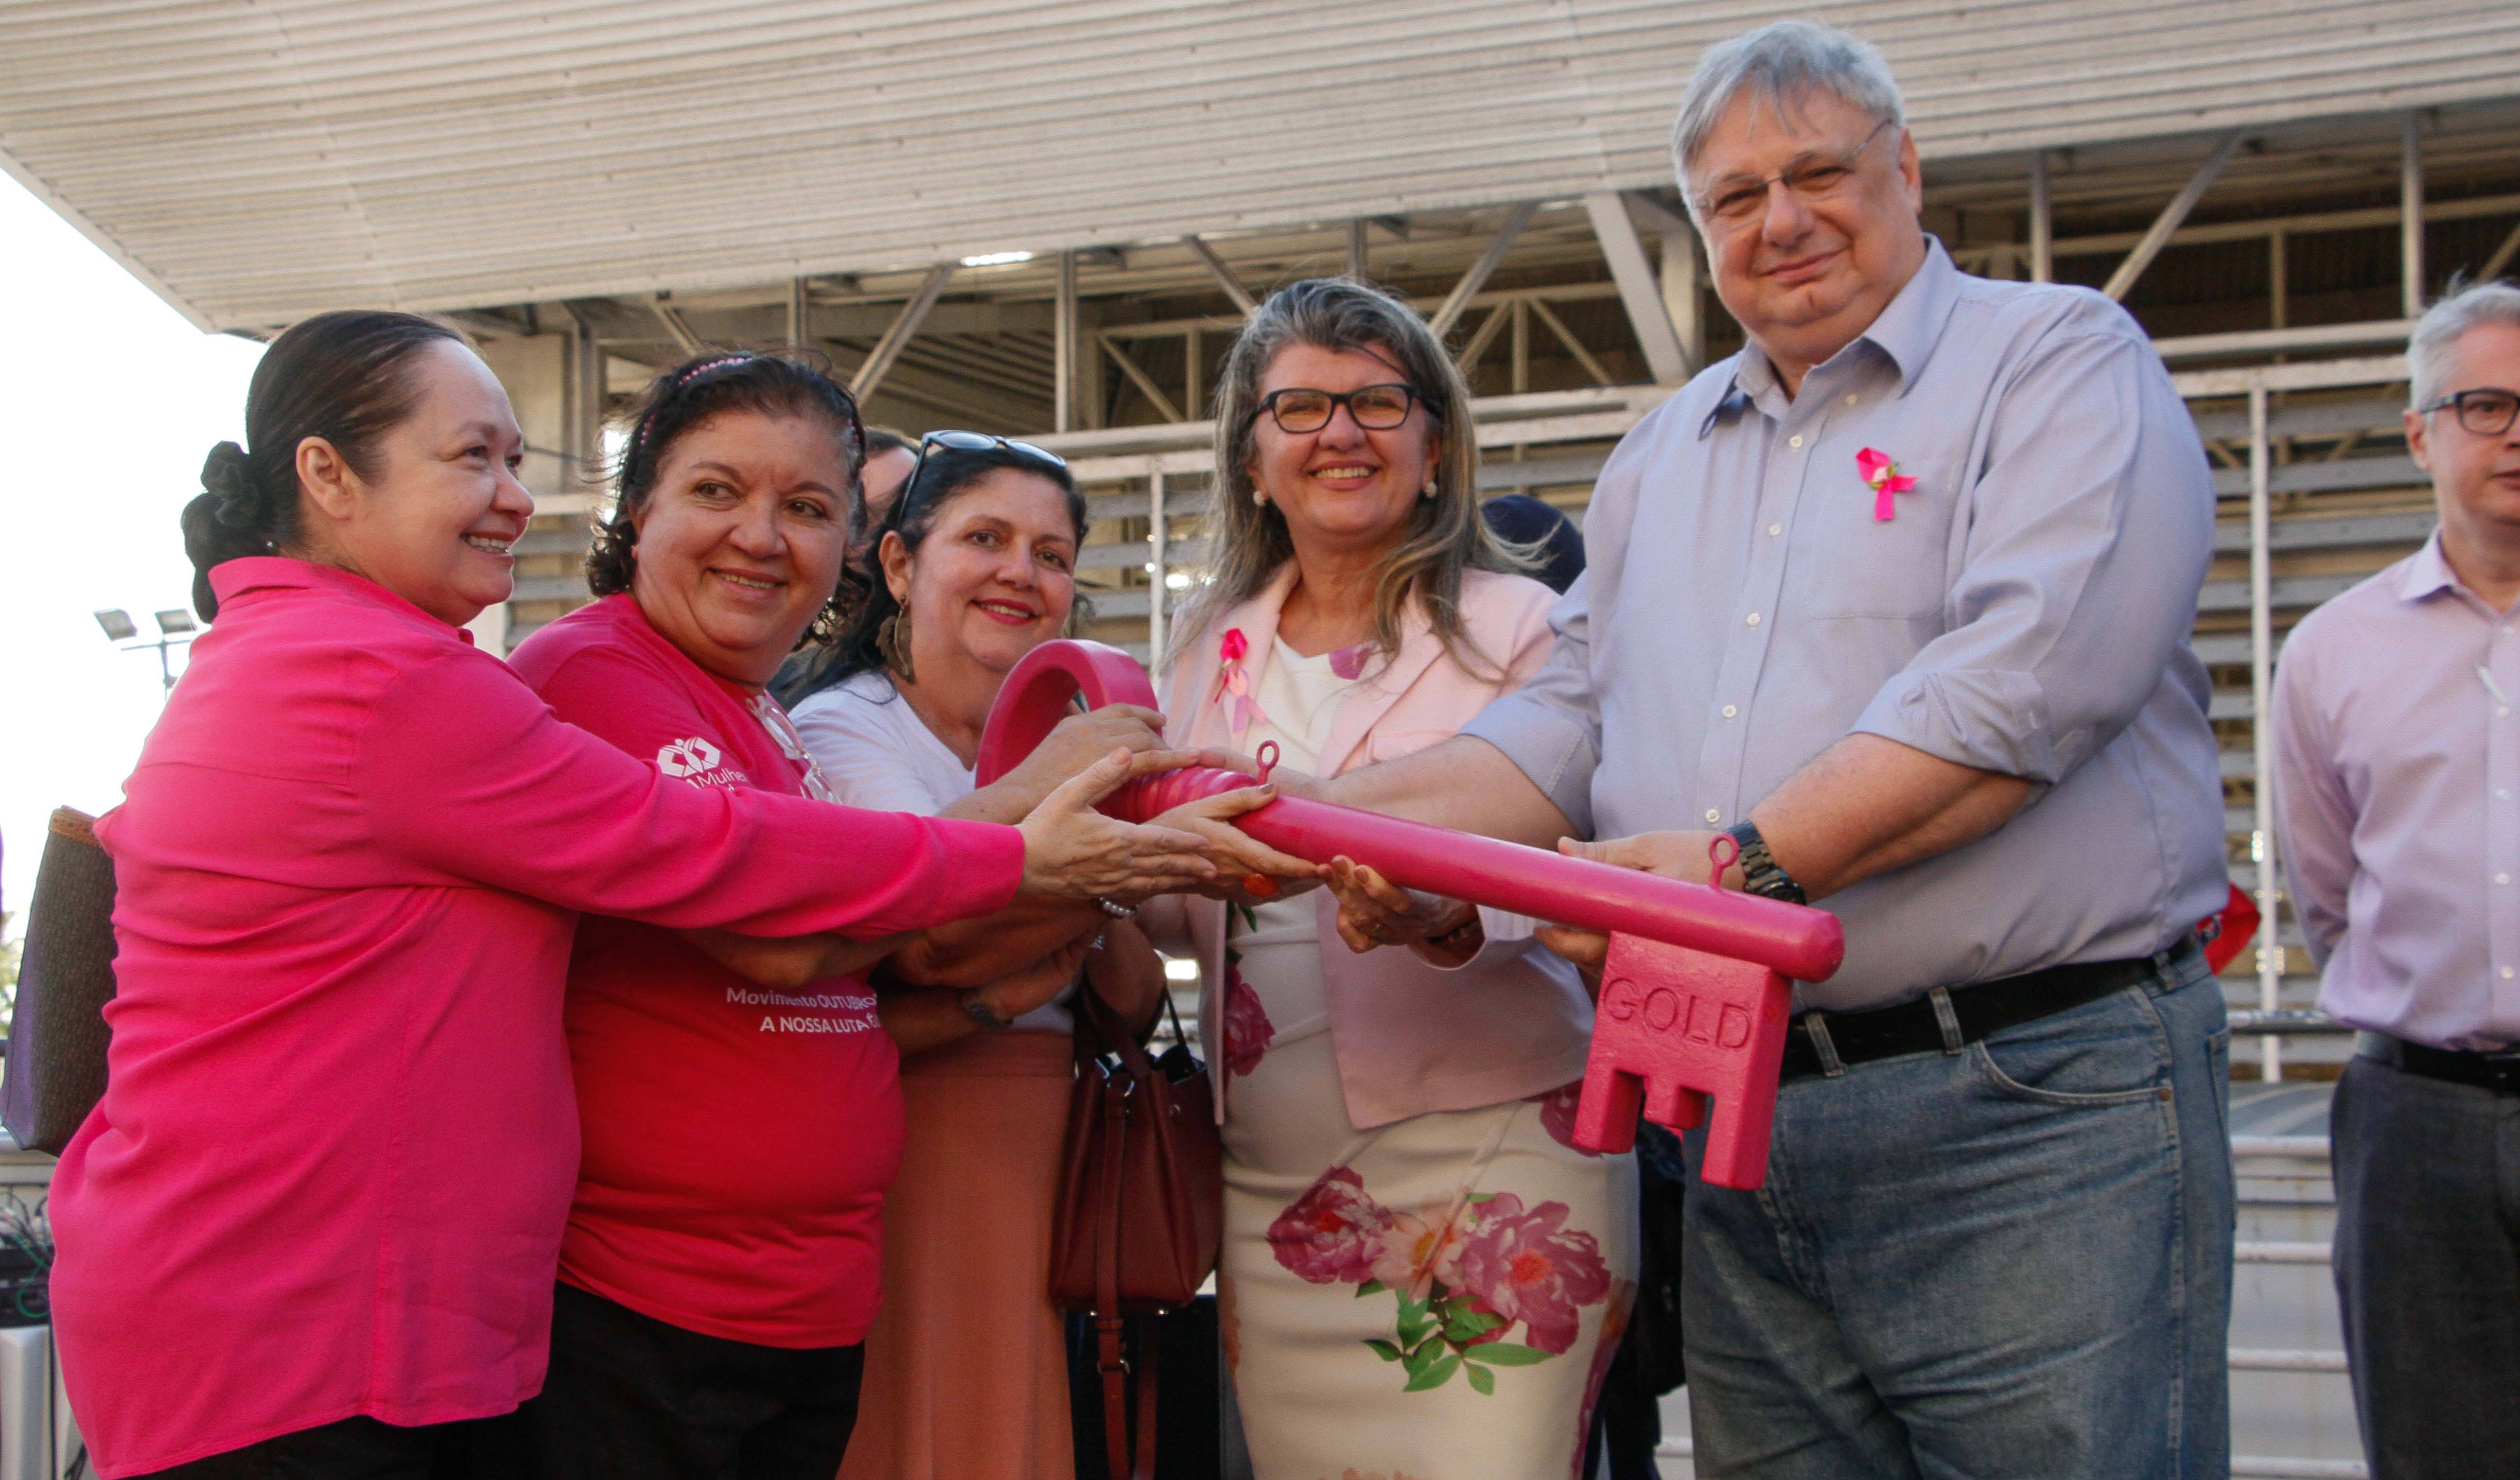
1410,1038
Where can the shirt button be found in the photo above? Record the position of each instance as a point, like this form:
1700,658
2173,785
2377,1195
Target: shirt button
1715,816
1730,712
2502,878
1796,440
1754,621
1849,400
2506,970
1774,529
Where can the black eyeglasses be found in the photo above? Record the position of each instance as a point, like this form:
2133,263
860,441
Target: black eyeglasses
1734,205
973,441
2487,410
1301,409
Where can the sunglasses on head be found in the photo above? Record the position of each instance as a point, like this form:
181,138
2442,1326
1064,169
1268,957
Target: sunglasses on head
975,441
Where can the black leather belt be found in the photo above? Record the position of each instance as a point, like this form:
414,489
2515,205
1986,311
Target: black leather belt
1989,1007
2499,1071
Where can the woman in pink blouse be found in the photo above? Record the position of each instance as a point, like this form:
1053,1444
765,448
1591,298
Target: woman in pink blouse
311,1229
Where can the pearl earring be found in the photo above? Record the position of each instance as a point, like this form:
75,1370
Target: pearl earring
1428,491
1259,500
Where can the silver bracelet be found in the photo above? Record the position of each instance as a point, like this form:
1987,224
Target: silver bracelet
1116,912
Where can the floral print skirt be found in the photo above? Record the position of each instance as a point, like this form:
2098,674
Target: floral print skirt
1435,1299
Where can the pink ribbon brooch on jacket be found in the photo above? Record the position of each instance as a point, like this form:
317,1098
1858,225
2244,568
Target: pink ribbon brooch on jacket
1230,679
1883,477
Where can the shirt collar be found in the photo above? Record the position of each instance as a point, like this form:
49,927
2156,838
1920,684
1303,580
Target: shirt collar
1905,332
230,579
2428,571
1909,327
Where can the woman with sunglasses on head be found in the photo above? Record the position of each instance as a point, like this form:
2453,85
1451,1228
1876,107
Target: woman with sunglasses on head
1421,1273
742,1118
967,1368
312,1226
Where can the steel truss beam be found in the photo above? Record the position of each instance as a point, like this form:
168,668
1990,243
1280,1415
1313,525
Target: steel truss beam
1458,300
2171,217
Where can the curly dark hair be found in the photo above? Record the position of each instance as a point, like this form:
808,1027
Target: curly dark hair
712,384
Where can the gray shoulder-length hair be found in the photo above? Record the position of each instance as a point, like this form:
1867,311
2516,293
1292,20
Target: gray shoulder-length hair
1445,535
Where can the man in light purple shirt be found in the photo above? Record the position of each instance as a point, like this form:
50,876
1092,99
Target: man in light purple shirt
2398,820
1900,597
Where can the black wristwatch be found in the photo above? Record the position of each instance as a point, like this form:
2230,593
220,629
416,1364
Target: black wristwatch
1759,871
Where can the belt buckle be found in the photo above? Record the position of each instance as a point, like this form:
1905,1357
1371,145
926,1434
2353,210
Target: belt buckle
2502,1072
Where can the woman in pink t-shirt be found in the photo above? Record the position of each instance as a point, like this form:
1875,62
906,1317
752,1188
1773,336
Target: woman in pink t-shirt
312,1226
742,1114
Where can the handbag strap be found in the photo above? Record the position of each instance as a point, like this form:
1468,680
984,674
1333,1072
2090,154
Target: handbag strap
1109,1360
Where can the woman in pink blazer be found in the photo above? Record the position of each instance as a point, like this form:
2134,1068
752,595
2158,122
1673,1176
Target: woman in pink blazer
1422,1273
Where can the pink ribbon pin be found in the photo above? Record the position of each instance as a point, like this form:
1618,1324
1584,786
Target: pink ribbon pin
1229,679
1883,477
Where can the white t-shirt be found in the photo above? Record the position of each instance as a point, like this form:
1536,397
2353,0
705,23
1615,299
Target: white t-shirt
877,753
1278,944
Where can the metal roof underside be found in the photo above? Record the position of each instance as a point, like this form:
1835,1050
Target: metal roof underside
256,161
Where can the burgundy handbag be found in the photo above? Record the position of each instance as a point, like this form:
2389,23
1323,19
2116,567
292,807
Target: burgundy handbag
1141,1205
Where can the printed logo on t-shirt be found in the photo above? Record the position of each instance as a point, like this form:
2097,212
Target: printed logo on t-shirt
855,1011
698,762
688,757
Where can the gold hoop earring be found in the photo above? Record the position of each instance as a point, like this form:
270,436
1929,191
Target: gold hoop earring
892,640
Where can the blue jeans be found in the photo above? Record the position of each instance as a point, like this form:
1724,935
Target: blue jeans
2005,1260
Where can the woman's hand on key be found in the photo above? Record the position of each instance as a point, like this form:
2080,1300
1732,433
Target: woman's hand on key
1078,741
1375,912
1245,864
1073,852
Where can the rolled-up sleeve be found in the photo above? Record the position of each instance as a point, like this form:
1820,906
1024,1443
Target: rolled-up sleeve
2089,531
1550,727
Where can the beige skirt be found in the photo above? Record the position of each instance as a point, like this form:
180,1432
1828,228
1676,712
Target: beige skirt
967,1366
1435,1299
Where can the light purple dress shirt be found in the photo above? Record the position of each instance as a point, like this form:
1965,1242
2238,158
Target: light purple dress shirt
2026,611
2398,804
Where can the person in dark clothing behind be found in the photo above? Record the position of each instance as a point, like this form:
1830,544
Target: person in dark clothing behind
1522,519
1627,1415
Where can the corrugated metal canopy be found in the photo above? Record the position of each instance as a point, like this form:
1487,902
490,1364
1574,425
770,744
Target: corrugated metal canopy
258,159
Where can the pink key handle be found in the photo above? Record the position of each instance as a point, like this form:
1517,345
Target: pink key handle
1769,939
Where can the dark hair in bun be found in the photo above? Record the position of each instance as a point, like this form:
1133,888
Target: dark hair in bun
342,376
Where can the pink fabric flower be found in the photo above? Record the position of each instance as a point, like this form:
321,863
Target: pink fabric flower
1421,1248
1232,646
1247,1029
1528,1267
1332,1232
1557,1115
1884,478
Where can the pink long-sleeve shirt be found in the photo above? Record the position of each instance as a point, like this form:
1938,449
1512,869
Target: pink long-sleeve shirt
331,1171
